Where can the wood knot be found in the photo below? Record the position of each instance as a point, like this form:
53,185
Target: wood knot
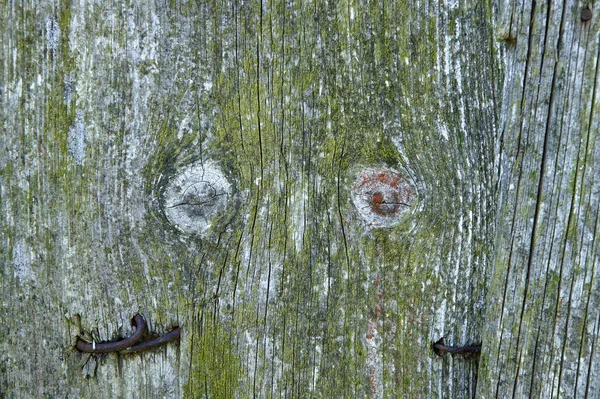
194,195
381,196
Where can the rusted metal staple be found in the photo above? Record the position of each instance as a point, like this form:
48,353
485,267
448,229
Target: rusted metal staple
440,349
168,337
106,347
130,344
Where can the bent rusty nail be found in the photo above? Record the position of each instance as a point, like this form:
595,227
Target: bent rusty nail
168,337
106,347
439,348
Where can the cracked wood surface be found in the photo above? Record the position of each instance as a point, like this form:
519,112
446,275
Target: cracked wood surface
542,326
289,291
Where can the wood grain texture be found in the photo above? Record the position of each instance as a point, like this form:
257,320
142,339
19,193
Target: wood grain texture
289,293
541,333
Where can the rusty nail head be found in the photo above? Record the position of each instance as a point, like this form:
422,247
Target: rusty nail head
440,348
586,14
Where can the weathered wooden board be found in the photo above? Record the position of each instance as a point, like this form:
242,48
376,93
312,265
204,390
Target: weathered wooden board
269,114
541,334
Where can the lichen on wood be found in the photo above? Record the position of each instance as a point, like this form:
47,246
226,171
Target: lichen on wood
287,293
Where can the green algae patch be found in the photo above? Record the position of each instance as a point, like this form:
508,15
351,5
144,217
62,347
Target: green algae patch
215,368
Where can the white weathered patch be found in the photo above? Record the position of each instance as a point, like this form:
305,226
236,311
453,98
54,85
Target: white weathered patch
21,260
297,205
443,129
76,139
185,127
69,86
195,195
374,339
374,359
52,33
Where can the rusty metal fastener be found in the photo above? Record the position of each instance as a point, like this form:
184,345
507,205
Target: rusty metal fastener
131,344
440,349
168,337
586,14
106,347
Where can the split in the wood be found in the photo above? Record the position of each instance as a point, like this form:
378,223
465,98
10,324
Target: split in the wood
440,349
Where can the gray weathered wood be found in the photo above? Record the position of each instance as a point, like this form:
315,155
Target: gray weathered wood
541,333
290,292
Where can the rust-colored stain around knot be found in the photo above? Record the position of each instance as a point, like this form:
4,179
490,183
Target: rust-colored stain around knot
381,196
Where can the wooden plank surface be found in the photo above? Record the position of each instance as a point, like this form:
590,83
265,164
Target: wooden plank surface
541,333
267,117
